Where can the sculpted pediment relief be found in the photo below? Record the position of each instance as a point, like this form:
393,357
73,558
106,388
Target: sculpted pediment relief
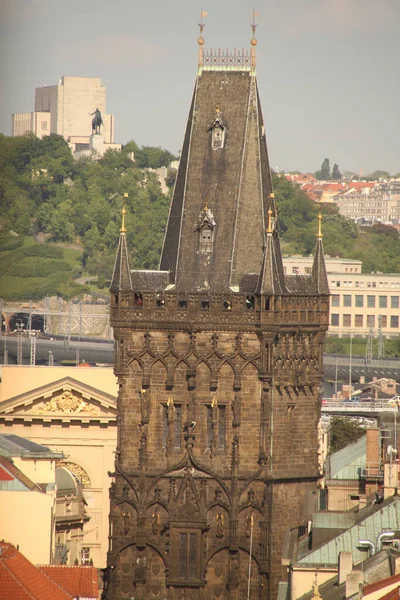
69,403
65,397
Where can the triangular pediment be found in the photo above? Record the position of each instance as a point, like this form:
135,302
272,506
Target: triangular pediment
65,397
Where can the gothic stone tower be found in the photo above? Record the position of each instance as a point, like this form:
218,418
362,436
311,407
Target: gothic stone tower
219,361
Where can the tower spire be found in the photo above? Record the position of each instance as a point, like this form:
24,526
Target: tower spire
200,41
253,40
121,279
319,269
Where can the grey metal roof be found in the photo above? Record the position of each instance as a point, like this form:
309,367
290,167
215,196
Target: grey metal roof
348,462
384,517
14,445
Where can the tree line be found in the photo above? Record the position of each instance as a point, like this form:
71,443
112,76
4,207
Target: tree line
44,191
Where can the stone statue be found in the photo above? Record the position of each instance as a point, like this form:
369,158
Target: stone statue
97,121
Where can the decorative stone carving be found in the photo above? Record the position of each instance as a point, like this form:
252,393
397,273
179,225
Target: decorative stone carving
219,518
76,470
67,403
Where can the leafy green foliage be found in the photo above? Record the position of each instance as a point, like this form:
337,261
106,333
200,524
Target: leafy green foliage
325,171
343,432
336,174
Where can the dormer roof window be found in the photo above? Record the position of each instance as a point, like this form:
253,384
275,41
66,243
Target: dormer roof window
217,129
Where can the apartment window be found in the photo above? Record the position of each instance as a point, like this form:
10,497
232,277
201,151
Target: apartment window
346,300
85,556
334,320
383,320
44,125
295,270
358,320
371,301
370,320
382,301
394,321
307,270
346,320
335,300
394,301
359,301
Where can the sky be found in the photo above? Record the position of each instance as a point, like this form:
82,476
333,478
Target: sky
328,70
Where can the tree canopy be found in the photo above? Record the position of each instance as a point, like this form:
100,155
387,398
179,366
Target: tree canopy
77,204
343,432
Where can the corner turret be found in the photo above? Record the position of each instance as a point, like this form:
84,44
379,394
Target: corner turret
121,279
319,275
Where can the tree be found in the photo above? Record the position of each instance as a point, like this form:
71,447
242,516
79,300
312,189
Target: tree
336,174
325,172
343,432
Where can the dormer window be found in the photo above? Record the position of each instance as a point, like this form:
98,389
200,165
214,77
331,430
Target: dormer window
206,228
217,129
206,239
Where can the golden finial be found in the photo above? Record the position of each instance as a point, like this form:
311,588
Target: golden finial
319,234
123,229
214,402
269,227
170,401
200,41
253,40
272,195
316,595
205,209
217,109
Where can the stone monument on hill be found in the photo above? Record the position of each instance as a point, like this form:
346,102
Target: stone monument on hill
219,363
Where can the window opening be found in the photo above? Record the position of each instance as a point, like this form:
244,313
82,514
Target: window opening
187,555
116,299
138,299
205,304
250,302
160,301
267,303
182,303
227,305
217,129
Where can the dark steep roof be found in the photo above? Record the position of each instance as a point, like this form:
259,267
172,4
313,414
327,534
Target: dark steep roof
121,279
319,269
234,181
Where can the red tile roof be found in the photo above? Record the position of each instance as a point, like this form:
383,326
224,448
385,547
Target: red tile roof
392,595
21,580
382,583
77,581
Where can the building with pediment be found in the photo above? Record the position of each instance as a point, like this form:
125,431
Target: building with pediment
71,411
219,364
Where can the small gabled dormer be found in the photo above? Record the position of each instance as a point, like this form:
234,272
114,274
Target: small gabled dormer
206,228
217,129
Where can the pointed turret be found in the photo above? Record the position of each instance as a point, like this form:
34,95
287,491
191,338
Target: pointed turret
121,279
319,275
272,279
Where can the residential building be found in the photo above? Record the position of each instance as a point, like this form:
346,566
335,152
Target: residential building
65,109
219,361
72,411
359,301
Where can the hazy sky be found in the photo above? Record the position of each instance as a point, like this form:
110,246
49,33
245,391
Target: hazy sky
328,70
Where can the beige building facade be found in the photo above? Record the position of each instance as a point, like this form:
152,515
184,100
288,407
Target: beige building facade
359,300
65,109
71,410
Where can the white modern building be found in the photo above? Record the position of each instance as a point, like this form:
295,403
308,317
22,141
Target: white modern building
359,301
65,109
